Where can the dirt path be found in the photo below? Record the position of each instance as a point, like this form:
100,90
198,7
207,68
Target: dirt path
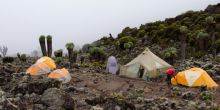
97,83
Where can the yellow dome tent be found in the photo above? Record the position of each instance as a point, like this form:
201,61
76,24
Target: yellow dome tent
48,61
60,74
194,77
38,69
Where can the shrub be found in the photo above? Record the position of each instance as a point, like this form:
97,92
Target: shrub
58,60
8,60
97,53
85,48
217,27
141,33
58,53
127,46
126,39
176,91
170,52
203,88
217,43
207,96
183,29
18,55
198,54
209,19
23,57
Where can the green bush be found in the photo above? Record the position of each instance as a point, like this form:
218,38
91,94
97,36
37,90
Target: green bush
58,60
198,54
217,27
58,53
217,17
23,57
170,52
126,39
209,19
141,33
18,55
85,48
203,88
8,59
127,46
183,29
207,96
97,53
202,35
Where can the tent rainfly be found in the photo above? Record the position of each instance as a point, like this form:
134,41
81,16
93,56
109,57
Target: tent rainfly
194,77
145,65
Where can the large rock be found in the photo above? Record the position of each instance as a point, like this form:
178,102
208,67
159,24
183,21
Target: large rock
35,85
208,66
55,97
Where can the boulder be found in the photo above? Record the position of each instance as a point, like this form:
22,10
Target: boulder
33,85
208,66
39,107
188,95
58,98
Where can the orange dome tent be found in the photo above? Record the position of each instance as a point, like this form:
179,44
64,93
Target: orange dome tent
48,61
38,69
194,77
60,74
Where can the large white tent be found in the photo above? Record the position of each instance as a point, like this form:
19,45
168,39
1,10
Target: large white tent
152,65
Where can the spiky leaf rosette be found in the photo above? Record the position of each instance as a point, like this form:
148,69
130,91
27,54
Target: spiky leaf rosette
209,20
170,52
202,35
70,45
49,38
42,38
183,29
127,45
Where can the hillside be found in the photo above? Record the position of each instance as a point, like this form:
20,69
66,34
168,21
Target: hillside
196,31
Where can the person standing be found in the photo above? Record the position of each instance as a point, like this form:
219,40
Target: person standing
170,74
112,65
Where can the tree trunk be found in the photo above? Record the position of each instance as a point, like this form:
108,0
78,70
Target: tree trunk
183,47
213,45
75,56
43,48
183,51
201,44
49,47
70,52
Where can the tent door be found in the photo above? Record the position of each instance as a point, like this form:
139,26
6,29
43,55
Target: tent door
141,72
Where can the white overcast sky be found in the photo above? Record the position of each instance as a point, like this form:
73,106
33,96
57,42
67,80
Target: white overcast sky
80,21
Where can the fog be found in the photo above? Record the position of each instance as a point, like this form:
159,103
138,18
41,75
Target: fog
80,21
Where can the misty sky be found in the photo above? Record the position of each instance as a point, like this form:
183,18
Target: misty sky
80,21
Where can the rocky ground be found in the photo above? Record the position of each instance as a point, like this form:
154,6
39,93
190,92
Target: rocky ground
93,89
